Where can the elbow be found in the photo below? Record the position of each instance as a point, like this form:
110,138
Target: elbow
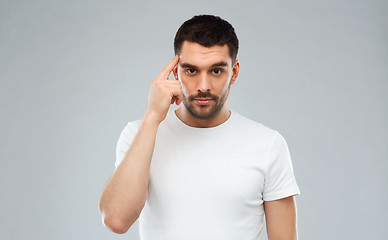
116,225
118,221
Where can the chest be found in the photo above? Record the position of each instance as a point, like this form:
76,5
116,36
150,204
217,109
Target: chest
214,174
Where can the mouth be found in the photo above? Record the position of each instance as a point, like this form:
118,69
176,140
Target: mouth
203,101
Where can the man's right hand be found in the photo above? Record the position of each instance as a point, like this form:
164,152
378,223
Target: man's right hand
163,93
125,193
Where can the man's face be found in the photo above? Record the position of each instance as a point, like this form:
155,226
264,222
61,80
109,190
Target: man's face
206,75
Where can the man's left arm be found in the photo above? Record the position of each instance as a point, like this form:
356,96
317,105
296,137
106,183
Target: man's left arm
281,218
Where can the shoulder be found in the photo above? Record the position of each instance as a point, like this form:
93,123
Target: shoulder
131,127
252,127
134,124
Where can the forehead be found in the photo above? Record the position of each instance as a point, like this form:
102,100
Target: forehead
198,55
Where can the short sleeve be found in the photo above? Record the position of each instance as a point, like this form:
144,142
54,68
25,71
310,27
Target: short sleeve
125,140
279,179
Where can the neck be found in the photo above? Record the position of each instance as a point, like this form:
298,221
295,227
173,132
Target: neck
186,117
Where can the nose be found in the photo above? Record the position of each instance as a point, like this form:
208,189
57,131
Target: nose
204,83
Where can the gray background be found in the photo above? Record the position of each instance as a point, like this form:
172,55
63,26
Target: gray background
73,73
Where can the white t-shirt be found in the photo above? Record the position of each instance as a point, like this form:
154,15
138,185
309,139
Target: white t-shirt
210,183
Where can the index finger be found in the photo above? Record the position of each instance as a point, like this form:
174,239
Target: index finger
167,69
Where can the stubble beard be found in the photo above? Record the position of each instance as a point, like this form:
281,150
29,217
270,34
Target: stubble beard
207,111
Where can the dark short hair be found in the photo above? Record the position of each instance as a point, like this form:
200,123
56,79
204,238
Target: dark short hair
207,30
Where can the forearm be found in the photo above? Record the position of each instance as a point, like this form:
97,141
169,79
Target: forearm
281,218
124,195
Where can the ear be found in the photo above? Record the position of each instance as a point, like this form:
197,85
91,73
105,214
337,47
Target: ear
236,70
175,72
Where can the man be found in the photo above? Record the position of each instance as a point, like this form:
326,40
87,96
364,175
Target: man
202,171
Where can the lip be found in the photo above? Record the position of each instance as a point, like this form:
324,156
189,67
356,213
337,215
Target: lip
203,101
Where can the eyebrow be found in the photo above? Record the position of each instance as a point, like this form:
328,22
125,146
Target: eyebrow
219,64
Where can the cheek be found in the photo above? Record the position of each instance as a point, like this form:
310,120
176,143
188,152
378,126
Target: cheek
184,90
183,85
186,83
222,85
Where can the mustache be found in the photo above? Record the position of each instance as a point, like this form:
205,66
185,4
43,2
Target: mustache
204,95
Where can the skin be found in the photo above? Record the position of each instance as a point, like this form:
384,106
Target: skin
123,197
201,79
281,219
205,73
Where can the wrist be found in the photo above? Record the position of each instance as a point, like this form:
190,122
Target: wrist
151,119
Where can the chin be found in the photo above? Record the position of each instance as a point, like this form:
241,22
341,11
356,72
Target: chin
203,111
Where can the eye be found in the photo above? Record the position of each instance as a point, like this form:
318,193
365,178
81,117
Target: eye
191,71
217,71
